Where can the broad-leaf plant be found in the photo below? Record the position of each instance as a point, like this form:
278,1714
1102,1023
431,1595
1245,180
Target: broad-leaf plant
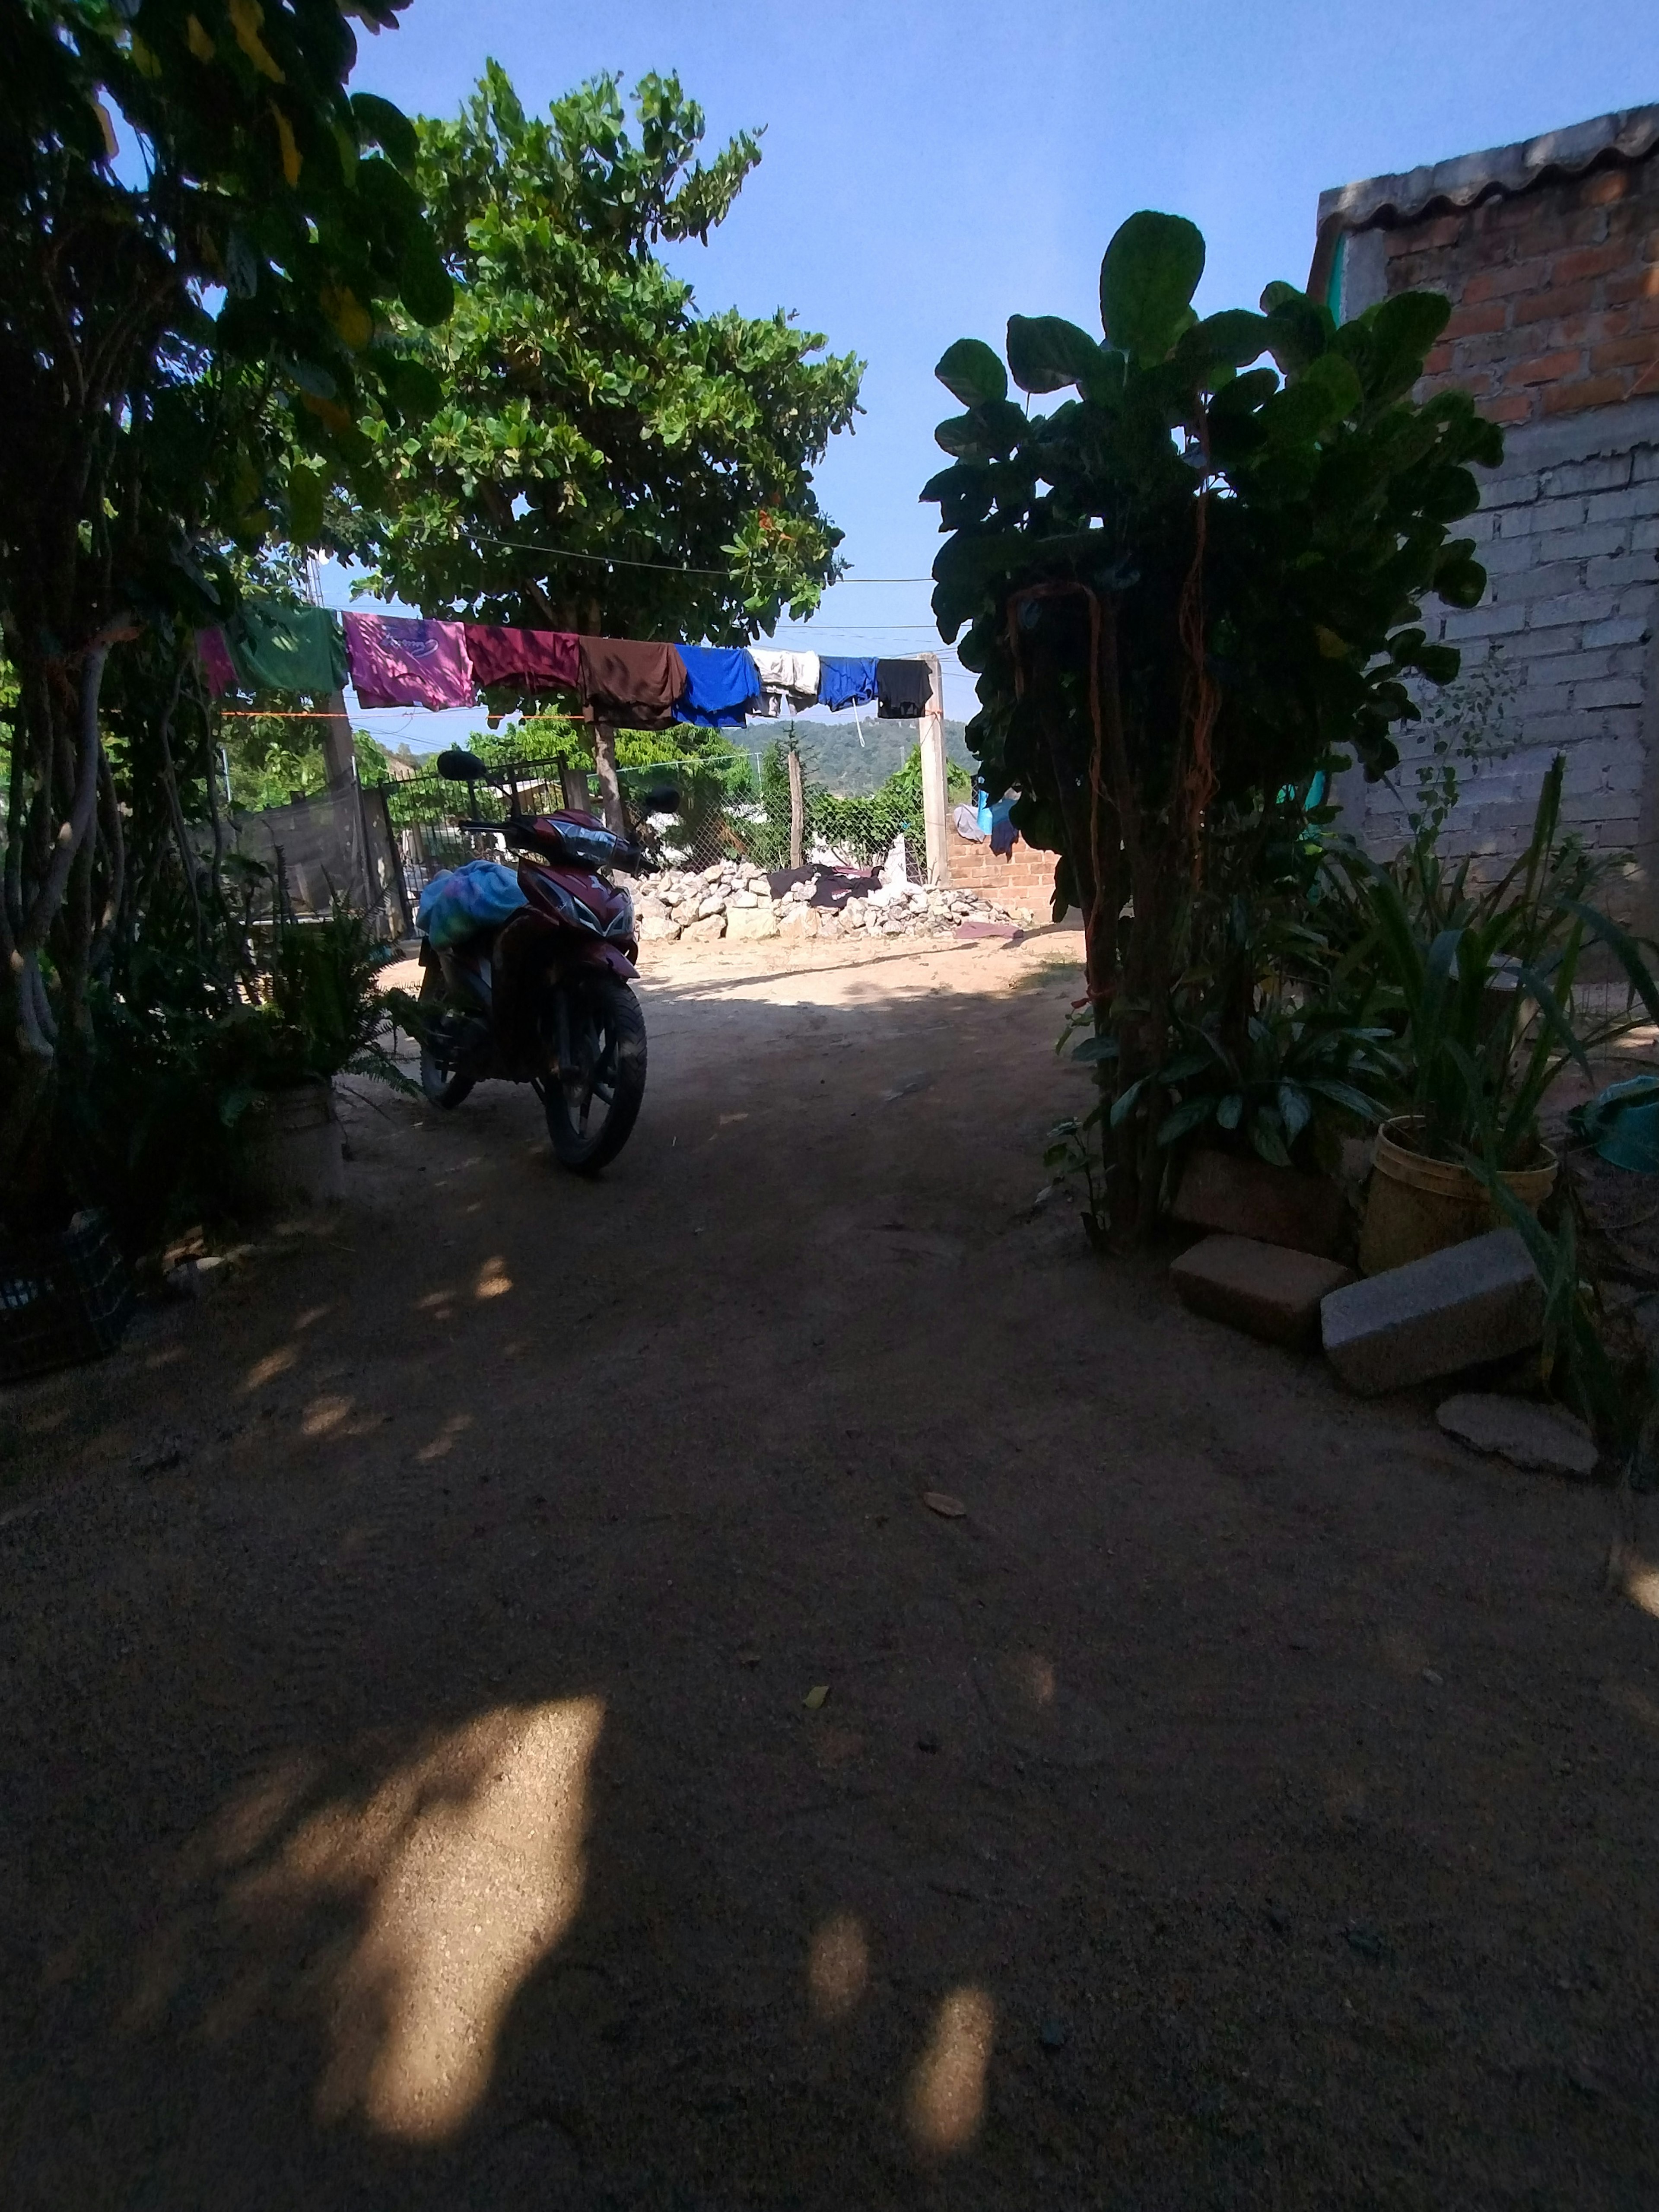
1194,582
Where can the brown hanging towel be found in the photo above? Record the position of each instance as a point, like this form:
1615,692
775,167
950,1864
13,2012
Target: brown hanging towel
902,690
634,685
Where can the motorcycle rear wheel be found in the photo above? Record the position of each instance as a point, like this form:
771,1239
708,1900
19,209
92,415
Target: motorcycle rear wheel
441,1085
595,1034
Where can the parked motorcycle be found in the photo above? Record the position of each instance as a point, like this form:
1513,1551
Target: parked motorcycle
545,997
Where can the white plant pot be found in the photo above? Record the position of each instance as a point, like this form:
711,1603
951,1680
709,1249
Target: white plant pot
296,1155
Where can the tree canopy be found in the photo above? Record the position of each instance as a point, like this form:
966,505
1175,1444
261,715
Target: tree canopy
602,458
202,235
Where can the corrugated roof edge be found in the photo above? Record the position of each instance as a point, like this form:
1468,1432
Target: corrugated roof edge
1627,136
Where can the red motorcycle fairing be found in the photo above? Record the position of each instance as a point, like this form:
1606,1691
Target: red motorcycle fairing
592,910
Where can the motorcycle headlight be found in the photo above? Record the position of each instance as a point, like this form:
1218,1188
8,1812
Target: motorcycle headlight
622,924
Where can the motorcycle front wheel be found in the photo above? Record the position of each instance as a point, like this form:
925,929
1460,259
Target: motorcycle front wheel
439,1080
595,1037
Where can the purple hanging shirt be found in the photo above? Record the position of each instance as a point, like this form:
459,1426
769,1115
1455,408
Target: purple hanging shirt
404,661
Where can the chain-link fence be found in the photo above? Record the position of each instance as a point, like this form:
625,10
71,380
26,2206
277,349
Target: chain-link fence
737,807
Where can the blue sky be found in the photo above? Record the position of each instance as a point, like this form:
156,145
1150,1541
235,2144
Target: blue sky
929,169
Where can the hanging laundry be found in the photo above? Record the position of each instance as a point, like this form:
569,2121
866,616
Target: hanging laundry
721,682
631,683
902,690
788,679
536,660
843,683
404,661
277,647
217,666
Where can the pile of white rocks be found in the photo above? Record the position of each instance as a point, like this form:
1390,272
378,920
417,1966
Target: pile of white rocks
732,899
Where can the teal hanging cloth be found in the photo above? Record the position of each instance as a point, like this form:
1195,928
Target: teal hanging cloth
277,647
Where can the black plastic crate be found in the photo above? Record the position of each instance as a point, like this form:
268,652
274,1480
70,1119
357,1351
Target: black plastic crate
63,1298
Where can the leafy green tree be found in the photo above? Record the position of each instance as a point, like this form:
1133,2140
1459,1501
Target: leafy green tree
1184,590
165,326
591,419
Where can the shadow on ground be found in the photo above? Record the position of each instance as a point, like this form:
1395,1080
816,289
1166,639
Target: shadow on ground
413,1797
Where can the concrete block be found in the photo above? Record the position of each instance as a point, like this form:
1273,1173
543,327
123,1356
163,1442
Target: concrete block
1473,1302
751,921
1247,1198
1265,1290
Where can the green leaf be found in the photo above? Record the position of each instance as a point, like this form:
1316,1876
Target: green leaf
1095,1048
1123,1104
971,373
1295,1110
387,126
1185,1117
1148,279
1230,1111
425,284
1400,330
305,506
1345,1096
1461,582
1268,1138
1046,352
1233,340
413,387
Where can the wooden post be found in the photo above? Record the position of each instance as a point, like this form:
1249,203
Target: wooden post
796,811
935,788
605,762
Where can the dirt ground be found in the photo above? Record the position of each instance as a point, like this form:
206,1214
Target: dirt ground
417,1791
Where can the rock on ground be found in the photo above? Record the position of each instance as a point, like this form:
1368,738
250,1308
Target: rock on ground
1544,1439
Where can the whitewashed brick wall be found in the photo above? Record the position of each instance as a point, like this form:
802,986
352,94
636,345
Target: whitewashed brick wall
1569,531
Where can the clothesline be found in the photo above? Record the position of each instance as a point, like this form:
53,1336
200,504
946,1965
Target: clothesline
397,661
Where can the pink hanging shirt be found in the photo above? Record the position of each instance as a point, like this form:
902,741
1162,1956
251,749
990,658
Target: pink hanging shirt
216,663
404,661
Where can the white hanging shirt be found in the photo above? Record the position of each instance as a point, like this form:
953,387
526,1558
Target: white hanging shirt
786,678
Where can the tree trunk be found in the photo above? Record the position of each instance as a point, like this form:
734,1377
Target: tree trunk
797,812
604,764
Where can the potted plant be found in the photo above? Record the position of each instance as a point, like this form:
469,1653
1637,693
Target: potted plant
322,1016
1482,984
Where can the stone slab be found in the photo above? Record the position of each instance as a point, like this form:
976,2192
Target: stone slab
1275,1205
705,931
1475,1301
1544,1439
1268,1290
751,921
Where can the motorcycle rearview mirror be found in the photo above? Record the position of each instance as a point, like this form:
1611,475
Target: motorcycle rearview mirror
459,765
659,799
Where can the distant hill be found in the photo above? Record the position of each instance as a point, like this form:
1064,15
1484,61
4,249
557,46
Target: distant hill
832,754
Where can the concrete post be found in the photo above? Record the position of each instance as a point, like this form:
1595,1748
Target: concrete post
935,789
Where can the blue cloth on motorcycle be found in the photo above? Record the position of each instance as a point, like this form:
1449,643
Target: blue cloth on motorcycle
720,680
844,683
1622,1123
458,905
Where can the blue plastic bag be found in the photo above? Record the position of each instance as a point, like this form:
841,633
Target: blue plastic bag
458,905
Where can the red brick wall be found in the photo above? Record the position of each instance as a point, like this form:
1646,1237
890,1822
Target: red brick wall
1554,293
1022,878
